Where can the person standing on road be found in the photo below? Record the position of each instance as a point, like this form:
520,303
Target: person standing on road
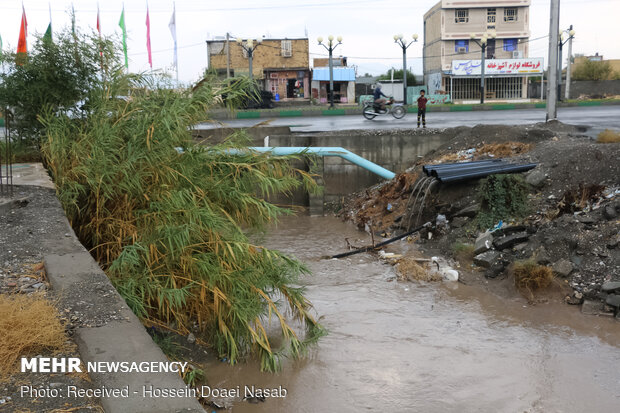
378,99
422,108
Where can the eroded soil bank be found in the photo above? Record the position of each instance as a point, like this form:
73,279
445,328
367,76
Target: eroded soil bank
571,225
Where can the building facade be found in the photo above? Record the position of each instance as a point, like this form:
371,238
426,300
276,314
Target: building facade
343,79
281,65
452,59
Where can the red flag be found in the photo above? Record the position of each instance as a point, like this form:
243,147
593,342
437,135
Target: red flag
98,25
22,47
148,36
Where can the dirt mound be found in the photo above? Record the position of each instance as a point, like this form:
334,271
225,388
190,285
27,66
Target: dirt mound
572,224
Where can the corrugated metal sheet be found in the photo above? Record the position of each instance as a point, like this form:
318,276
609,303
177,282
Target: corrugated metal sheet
341,74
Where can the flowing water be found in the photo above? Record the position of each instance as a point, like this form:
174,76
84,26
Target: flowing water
409,347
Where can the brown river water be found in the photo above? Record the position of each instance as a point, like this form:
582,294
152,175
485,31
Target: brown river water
417,347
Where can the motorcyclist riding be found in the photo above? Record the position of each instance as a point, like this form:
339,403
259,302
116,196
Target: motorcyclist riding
377,96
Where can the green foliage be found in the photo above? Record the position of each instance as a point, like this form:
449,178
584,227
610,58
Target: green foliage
398,74
463,251
194,376
20,151
502,197
169,227
593,70
56,77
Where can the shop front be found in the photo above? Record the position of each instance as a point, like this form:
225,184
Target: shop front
288,84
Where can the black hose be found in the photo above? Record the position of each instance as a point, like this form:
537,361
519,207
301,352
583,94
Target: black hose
381,244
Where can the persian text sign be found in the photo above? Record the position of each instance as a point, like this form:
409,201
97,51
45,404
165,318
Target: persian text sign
498,67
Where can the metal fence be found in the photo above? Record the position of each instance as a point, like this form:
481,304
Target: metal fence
495,88
6,157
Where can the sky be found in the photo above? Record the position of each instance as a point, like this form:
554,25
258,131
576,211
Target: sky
367,27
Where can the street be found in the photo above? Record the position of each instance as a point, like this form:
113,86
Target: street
598,117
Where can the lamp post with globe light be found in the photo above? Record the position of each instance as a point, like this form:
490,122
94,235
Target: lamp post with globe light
249,46
330,46
483,47
400,40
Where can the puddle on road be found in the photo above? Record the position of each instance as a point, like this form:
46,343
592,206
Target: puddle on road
396,346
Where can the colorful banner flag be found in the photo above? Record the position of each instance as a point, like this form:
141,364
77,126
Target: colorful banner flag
121,23
173,29
48,33
22,46
148,36
98,22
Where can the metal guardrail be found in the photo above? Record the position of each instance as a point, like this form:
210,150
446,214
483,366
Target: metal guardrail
6,158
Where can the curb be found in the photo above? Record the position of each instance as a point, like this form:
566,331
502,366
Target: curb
225,115
109,331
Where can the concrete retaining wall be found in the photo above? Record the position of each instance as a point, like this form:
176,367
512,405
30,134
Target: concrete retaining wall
593,88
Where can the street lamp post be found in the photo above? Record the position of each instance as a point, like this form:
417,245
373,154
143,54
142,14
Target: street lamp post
331,46
562,42
399,39
249,46
483,48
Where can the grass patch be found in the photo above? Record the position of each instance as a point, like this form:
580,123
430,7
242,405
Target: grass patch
29,325
463,251
504,149
502,197
531,277
608,136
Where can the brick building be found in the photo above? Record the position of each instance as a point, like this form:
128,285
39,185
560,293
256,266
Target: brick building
281,65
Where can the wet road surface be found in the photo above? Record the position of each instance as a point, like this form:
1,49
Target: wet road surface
600,117
409,347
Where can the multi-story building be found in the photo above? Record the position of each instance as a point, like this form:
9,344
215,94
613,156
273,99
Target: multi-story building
282,65
452,58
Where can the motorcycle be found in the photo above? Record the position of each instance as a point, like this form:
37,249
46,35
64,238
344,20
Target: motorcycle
372,110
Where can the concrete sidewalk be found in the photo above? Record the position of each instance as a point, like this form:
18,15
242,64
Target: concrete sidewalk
222,114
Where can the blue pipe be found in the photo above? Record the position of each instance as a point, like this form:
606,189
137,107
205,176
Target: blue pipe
323,151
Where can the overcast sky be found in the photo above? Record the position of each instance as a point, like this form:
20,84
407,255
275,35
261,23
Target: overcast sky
367,27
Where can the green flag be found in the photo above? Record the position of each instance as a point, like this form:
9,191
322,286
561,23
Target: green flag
0,45
72,20
122,24
48,33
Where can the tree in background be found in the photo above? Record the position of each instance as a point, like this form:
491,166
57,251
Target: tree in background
594,70
398,74
55,76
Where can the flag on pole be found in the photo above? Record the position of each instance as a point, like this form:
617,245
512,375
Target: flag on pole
98,22
73,20
121,23
48,33
0,45
148,36
173,29
22,47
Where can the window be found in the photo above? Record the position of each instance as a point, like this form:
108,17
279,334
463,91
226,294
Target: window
461,16
510,15
491,13
461,46
287,48
510,45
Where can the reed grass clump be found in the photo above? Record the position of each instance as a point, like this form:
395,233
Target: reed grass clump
531,277
168,219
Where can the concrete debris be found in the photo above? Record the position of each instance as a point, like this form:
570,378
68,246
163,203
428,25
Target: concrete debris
536,177
610,287
510,240
469,212
575,299
562,268
486,259
483,243
613,300
591,307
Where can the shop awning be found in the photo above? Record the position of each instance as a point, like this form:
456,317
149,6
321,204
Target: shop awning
341,74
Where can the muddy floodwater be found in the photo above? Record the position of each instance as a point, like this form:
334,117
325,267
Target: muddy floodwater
409,347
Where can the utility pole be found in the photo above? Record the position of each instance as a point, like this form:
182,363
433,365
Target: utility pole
552,73
227,55
249,46
560,45
571,34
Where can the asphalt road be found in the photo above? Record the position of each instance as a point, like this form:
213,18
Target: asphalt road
598,117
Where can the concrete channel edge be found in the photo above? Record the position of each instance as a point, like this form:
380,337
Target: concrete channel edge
110,332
